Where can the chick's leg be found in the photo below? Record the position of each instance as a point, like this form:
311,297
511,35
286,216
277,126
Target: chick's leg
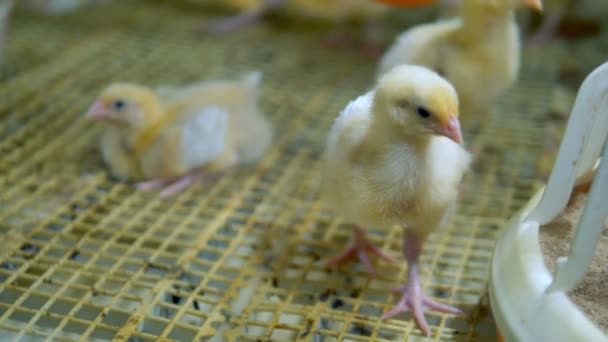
187,180
232,23
172,186
413,299
372,45
179,185
339,37
359,247
546,32
152,184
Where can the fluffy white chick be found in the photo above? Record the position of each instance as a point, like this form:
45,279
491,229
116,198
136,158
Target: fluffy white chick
394,157
478,52
175,136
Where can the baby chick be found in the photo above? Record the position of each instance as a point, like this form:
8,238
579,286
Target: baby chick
479,53
175,136
394,157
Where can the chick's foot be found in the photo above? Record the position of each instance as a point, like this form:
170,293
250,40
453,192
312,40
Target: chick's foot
372,49
237,21
359,247
173,186
337,39
414,300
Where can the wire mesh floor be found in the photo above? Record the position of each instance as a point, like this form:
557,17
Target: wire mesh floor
84,257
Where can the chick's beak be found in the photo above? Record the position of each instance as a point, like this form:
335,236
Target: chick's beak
451,129
535,4
98,111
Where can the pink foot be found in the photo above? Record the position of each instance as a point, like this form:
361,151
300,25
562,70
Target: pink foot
546,33
417,302
173,186
152,184
337,40
539,40
179,185
229,24
358,248
372,45
186,180
371,49
233,23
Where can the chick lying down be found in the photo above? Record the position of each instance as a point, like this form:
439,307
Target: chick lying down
171,137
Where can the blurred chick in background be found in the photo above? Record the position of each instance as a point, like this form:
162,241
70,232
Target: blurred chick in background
394,157
58,6
554,10
338,12
479,52
447,8
175,136
583,17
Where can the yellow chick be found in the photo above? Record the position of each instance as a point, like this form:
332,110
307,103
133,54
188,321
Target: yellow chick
175,136
394,157
334,11
479,52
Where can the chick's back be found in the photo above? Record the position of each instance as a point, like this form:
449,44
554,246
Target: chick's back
419,45
212,121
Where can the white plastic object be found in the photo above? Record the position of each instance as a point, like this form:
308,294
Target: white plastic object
530,304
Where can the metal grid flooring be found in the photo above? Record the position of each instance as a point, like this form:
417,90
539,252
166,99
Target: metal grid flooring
84,257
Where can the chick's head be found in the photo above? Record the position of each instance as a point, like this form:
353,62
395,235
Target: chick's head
125,105
417,102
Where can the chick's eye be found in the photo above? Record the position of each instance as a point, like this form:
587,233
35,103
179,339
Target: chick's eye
119,104
423,112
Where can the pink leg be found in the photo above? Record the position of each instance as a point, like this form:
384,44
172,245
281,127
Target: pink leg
152,184
337,39
179,185
186,180
232,23
358,248
413,299
372,44
545,33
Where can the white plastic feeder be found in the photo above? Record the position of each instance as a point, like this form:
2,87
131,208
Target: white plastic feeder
529,303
